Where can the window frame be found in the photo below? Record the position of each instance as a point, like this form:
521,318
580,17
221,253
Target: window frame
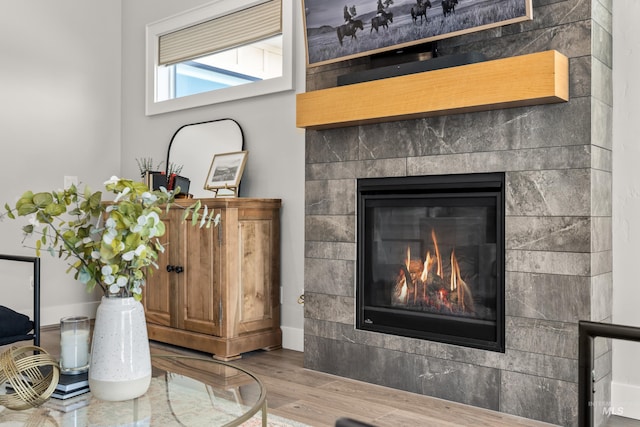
203,13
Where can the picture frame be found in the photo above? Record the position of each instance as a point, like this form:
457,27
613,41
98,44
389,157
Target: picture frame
225,173
397,24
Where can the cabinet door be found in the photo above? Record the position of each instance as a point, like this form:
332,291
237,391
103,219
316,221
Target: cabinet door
257,272
199,308
159,291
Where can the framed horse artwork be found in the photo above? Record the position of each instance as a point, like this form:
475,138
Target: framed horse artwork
336,31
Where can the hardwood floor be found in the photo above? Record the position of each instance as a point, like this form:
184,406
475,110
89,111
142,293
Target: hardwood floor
319,399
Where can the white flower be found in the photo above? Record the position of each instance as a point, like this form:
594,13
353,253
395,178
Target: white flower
33,220
148,197
128,256
204,216
137,286
84,241
113,180
122,194
154,216
140,223
108,236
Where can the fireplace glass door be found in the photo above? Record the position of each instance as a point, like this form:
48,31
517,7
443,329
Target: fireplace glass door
431,258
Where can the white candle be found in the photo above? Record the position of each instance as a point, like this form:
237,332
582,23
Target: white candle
74,349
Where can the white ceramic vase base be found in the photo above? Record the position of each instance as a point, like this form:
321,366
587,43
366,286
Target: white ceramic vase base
115,391
120,367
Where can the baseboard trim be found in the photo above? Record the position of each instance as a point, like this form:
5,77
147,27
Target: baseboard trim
292,338
52,315
625,400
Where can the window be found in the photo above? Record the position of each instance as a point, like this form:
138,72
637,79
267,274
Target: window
225,50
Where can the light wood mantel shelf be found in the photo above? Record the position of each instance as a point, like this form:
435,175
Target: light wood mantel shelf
538,78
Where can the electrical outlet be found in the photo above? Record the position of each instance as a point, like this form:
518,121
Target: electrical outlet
69,181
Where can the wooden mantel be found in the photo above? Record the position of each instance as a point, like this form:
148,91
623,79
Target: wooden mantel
538,78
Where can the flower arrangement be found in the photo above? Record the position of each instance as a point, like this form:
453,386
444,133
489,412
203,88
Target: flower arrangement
113,243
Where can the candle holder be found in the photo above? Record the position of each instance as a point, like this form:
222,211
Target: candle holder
74,345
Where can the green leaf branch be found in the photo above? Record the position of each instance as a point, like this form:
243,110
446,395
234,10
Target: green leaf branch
110,244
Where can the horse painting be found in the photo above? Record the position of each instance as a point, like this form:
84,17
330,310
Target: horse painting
349,29
381,21
420,10
449,7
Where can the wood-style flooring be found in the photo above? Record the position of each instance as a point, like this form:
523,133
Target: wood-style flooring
319,399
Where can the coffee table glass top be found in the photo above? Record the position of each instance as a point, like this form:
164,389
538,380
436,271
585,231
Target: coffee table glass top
184,391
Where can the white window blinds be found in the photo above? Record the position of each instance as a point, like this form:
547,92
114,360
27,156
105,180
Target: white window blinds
235,29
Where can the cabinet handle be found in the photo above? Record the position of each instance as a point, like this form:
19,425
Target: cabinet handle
176,268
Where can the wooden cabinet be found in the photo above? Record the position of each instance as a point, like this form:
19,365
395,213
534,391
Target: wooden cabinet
217,289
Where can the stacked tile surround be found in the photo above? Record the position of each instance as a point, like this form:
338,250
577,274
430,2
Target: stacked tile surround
557,160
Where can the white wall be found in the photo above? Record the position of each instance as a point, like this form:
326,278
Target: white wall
626,202
275,167
72,80
59,115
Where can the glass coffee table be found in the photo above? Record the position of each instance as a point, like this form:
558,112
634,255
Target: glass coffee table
184,391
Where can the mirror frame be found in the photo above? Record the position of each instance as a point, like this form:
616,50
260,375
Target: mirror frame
202,138
195,16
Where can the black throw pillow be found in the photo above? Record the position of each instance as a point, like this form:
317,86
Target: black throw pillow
13,323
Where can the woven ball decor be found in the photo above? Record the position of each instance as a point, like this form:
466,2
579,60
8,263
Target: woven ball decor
22,368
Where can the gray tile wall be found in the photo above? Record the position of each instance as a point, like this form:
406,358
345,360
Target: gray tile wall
557,160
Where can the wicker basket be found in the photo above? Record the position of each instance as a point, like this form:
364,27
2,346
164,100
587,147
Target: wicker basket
22,368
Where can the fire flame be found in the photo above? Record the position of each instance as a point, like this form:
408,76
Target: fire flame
421,275
438,258
407,262
428,263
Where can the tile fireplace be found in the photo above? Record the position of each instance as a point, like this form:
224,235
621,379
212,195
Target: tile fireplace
556,163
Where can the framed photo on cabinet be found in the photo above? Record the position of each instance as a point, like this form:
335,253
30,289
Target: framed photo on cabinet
225,173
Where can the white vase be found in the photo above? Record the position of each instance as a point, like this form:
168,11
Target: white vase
120,367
